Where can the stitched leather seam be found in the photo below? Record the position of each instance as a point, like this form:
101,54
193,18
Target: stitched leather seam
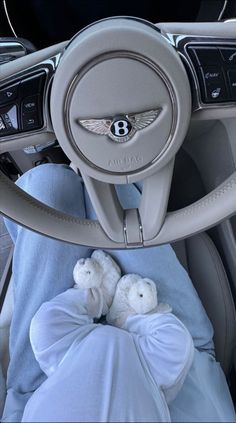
46,209
208,200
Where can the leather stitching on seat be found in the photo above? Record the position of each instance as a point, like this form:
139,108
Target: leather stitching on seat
49,210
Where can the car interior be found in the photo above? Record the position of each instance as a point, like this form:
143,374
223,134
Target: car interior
155,83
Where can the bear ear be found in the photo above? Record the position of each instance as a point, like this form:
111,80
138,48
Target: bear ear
107,263
128,280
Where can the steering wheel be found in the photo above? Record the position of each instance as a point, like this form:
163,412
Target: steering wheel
118,98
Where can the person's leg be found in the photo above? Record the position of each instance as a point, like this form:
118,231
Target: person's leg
166,347
162,266
205,395
60,322
42,268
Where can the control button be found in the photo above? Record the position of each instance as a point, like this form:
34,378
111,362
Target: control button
32,85
8,120
2,125
8,94
212,75
31,121
207,55
229,55
232,82
214,82
30,104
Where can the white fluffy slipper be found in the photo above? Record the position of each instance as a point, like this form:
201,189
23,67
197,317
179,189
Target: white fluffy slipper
100,272
134,295
111,274
87,274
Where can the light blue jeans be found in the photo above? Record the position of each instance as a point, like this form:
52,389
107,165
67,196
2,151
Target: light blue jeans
42,268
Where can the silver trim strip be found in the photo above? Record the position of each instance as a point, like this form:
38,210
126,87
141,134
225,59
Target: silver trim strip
230,20
125,228
8,18
141,239
223,10
130,18
12,48
140,228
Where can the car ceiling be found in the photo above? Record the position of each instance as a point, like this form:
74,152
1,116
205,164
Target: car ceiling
45,23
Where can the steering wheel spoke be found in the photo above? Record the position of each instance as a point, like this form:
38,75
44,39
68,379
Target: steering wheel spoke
134,226
24,99
107,207
154,201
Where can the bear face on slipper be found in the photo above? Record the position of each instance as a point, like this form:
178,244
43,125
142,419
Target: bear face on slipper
112,295
134,295
100,272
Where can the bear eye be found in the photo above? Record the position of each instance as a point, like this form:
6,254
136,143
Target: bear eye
141,295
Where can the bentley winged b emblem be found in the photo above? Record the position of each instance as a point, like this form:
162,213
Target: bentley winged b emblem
121,127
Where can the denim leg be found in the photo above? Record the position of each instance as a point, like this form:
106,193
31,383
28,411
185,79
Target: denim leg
205,395
42,269
161,264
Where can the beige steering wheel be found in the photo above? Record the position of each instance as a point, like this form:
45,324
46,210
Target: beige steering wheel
118,98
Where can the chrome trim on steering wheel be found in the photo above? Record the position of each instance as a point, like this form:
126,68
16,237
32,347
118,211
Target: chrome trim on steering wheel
139,58
181,43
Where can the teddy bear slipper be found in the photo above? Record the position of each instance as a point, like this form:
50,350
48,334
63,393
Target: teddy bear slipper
134,295
99,275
